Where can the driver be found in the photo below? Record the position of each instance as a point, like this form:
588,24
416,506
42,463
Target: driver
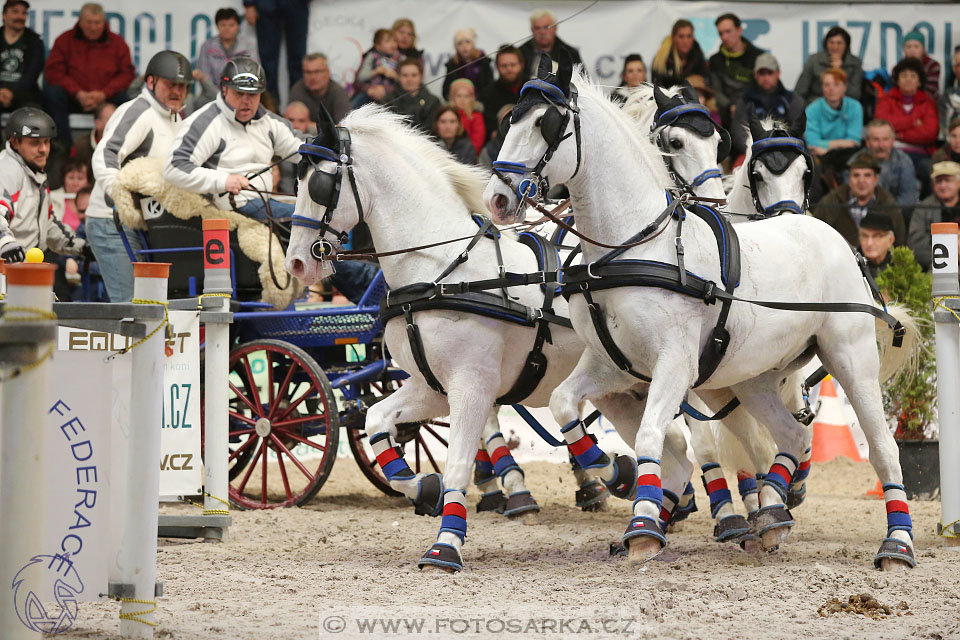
147,127
26,213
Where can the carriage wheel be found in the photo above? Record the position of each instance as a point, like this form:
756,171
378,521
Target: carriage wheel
284,425
424,443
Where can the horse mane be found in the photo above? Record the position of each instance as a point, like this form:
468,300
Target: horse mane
641,105
395,131
646,151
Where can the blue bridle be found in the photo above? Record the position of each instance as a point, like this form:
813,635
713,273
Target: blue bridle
779,143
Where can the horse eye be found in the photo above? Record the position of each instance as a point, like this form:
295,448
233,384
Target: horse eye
676,143
538,122
757,176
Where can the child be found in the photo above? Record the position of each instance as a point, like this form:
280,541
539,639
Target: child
914,46
74,179
477,69
470,111
377,75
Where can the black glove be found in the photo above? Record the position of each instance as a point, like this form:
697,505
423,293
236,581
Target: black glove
13,253
87,253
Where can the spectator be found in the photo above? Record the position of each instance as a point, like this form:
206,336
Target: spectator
505,89
951,150
732,67
81,203
88,65
377,75
221,48
412,99
914,46
298,115
21,58
844,207
679,56
543,26
633,74
897,174
913,114
28,219
276,20
765,97
943,205
406,35
448,130
876,238
491,150
834,122
244,137
471,114
477,69
949,102
316,88
834,55
63,199
145,127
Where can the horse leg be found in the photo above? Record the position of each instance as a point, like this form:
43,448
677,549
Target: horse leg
796,403
485,479
619,474
761,398
519,503
412,402
591,494
857,374
470,406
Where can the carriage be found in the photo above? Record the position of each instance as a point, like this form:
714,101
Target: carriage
301,380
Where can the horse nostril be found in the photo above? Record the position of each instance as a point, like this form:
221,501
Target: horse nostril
500,203
297,267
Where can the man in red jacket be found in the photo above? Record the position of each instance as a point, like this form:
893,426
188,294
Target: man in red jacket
87,66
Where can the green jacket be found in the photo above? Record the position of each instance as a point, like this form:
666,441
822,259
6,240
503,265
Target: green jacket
833,210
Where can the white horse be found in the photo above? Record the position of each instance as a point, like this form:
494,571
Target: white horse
616,181
411,192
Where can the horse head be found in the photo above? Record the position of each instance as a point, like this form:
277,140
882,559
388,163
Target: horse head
778,165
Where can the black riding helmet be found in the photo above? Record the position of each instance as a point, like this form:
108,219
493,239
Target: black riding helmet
30,122
170,65
244,74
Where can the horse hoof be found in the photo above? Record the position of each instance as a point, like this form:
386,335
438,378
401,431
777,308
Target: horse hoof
429,568
751,545
597,507
624,483
642,550
894,555
591,496
494,501
443,557
521,504
429,500
772,523
893,564
772,538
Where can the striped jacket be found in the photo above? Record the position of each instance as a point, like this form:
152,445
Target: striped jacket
139,128
212,145
26,212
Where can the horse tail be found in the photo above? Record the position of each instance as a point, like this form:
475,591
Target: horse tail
894,361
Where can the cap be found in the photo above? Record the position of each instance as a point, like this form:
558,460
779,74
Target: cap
945,168
13,3
878,221
865,160
766,61
915,35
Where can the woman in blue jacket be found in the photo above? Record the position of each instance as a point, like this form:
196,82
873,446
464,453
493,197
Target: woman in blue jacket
834,122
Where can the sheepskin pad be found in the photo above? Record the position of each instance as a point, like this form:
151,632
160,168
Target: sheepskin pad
145,176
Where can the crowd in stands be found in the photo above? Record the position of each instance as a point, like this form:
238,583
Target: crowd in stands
886,146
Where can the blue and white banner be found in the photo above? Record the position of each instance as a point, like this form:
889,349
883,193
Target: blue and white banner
605,33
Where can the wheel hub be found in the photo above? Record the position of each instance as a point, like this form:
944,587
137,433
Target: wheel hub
262,427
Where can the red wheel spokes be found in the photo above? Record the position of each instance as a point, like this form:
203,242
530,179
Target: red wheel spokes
286,382
245,400
270,393
263,475
254,392
243,447
421,443
296,403
293,458
295,421
302,440
242,418
283,474
252,465
436,435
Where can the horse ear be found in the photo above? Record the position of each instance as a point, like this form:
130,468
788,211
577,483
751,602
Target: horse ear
690,93
659,96
546,66
564,72
799,126
756,128
326,126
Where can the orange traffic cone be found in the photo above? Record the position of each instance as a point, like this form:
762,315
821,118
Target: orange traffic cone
831,433
877,490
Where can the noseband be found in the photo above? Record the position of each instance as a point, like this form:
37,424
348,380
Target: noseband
789,146
552,126
324,190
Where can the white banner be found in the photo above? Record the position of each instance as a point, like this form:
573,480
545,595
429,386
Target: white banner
604,34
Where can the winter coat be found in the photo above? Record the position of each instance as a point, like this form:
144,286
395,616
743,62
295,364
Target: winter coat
824,123
898,176
78,64
421,106
213,57
496,96
21,64
780,104
948,105
731,74
832,209
335,100
479,72
462,149
890,108
696,65
559,51
809,86
929,212
474,128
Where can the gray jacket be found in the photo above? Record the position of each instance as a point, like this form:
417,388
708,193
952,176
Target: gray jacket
808,84
919,240
898,176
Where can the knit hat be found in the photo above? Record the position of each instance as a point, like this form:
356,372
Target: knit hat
915,35
865,160
462,82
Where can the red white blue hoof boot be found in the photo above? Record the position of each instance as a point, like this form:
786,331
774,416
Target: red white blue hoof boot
795,496
643,539
592,496
772,523
441,556
494,501
522,506
894,555
733,528
429,500
624,483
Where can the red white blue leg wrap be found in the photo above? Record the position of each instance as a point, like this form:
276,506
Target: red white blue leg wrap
648,483
898,513
454,513
716,487
749,490
803,470
503,462
482,467
583,447
390,457
781,473
670,502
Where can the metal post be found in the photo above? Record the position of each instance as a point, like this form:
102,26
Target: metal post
138,551
216,280
25,340
945,283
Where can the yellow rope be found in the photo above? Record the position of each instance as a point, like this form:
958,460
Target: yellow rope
210,512
938,304
135,615
211,295
164,323
948,532
35,315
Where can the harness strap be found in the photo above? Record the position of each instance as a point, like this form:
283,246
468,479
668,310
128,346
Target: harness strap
603,333
419,355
